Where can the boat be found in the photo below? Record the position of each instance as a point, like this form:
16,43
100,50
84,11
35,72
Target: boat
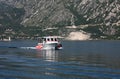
49,42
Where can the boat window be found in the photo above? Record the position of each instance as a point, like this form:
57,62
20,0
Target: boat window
55,39
48,39
51,39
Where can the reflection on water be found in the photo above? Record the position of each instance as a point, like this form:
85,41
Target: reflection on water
48,55
78,60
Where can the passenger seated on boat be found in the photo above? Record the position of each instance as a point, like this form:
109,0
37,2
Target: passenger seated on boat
44,40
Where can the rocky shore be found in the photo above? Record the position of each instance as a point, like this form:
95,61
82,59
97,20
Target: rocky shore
78,36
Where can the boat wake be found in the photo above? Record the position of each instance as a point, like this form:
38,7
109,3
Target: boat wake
27,47
17,47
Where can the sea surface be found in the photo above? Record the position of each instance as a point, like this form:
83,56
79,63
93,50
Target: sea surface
77,60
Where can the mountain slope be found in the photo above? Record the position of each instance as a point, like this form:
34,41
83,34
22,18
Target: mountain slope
59,13
10,15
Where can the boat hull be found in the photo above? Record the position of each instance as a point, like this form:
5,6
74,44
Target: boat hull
49,46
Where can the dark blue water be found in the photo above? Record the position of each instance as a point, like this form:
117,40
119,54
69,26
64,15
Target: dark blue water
77,60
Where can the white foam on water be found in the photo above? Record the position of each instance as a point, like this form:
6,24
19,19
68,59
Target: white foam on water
28,47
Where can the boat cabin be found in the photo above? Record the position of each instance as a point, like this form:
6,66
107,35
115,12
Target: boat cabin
48,39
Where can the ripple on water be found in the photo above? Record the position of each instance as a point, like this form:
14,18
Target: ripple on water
30,64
